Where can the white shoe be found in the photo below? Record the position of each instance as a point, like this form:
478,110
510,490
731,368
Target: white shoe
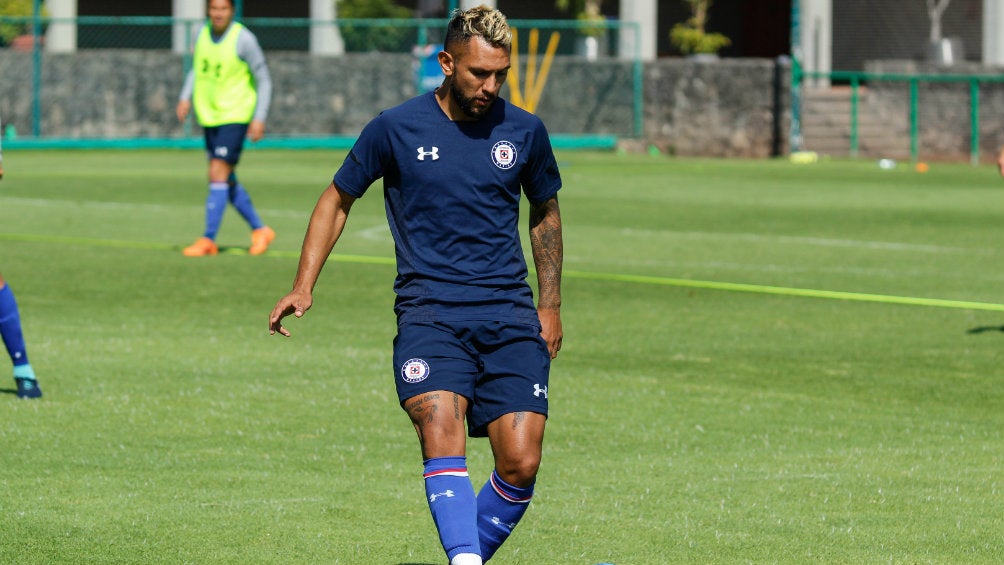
466,559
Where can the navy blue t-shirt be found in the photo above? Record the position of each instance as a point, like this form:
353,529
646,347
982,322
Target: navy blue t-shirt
452,192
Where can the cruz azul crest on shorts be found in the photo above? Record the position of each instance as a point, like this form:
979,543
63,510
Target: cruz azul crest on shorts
414,371
504,155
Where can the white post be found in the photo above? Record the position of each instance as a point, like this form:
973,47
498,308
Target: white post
993,41
817,38
183,34
644,13
468,4
61,37
325,38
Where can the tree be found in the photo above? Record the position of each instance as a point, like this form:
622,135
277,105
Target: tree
691,37
587,11
935,9
370,38
579,7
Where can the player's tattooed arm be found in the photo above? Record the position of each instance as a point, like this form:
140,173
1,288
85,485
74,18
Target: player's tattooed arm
548,251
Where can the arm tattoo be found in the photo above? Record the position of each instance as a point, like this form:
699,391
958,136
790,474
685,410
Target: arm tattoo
548,251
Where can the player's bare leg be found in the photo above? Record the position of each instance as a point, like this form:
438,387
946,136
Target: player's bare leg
517,441
438,417
219,171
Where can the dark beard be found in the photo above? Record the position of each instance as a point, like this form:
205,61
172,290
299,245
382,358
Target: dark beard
467,104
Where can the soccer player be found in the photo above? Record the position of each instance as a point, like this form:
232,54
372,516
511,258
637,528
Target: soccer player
13,338
472,349
230,88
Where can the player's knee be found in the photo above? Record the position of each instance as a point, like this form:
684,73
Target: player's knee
518,469
440,440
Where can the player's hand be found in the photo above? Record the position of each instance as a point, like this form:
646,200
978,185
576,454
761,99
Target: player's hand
184,106
550,329
1000,164
256,130
294,303
1,171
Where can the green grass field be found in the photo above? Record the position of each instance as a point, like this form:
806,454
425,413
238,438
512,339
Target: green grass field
763,363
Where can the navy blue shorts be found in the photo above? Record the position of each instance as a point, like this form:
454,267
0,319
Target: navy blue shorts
499,367
226,142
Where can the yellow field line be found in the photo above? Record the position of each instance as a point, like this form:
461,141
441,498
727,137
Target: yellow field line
571,274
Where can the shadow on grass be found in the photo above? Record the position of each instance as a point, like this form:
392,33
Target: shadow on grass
985,329
8,391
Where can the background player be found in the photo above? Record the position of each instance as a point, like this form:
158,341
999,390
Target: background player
230,87
471,349
13,338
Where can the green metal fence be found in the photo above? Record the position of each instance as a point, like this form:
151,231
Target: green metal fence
950,106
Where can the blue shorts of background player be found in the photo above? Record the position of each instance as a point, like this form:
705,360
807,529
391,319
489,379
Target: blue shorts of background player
226,142
499,367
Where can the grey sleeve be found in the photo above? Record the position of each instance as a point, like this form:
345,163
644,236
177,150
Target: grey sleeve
187,88
250,52
189,85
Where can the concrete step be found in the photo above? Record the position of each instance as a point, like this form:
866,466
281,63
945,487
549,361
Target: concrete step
826,125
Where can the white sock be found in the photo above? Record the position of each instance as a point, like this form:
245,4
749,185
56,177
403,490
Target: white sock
466,559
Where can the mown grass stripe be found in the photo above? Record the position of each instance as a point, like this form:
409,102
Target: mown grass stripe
585,275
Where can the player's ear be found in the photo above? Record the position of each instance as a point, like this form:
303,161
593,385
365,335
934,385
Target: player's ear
447,63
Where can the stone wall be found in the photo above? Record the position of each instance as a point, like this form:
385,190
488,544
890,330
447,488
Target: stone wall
944,109
721,108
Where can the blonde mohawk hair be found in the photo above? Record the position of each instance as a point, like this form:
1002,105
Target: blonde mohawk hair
484,22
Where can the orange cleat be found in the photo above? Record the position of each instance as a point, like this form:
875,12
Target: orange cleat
260,240
202,246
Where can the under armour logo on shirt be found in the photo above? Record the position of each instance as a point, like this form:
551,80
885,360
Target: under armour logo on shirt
422,153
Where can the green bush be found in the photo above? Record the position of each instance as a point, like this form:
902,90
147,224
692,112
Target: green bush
690,40
18,8
691,37
367,38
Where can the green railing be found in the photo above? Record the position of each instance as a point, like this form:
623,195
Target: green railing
857,79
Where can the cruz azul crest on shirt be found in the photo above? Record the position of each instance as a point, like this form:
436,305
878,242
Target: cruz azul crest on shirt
504,154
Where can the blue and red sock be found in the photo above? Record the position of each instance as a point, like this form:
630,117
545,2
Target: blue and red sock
242,202
216,205
454,507
13,338
500,508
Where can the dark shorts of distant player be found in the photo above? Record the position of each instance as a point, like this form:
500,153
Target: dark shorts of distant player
500,367
226,142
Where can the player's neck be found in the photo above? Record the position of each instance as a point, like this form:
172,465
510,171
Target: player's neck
220,33
449,106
